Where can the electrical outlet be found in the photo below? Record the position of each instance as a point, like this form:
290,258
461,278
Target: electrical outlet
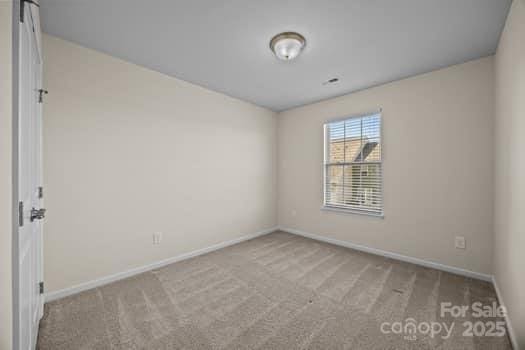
294,213
460,242
157,237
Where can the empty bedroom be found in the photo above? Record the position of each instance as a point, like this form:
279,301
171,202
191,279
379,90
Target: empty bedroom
241,174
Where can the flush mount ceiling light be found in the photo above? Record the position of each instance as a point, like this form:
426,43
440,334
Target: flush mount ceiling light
288,45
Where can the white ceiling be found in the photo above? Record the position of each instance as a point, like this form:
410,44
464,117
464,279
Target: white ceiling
223,44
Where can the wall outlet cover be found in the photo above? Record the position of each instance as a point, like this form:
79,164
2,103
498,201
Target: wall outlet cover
460,242
157,237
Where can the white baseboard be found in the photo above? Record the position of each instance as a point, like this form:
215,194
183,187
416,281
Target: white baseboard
409,259
135,271
510,329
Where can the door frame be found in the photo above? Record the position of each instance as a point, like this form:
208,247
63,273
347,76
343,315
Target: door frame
15,174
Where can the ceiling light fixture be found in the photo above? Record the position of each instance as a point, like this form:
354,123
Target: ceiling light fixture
288,45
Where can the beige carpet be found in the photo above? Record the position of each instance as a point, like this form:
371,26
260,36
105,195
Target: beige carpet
277,291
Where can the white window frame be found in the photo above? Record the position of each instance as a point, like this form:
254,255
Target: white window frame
341,209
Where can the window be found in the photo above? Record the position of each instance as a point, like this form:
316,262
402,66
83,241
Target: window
352,165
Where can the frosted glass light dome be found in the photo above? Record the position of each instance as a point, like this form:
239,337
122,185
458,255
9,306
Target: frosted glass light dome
287,46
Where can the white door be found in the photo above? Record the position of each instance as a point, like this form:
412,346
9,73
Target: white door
30,179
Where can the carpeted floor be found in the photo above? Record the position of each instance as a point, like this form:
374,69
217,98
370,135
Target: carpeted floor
278,291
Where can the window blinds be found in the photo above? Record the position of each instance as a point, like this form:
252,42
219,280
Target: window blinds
352,164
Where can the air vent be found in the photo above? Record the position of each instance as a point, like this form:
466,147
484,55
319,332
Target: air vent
331,81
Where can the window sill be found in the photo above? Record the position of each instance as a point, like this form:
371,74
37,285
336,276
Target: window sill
353,211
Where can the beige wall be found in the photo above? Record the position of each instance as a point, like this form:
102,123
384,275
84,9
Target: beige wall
129,152
438,155
6,128
509,238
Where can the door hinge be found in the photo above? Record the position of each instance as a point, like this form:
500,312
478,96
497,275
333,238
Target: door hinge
41,92
41,287
40,192
20,214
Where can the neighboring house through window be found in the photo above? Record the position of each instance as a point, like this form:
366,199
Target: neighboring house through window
353,165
